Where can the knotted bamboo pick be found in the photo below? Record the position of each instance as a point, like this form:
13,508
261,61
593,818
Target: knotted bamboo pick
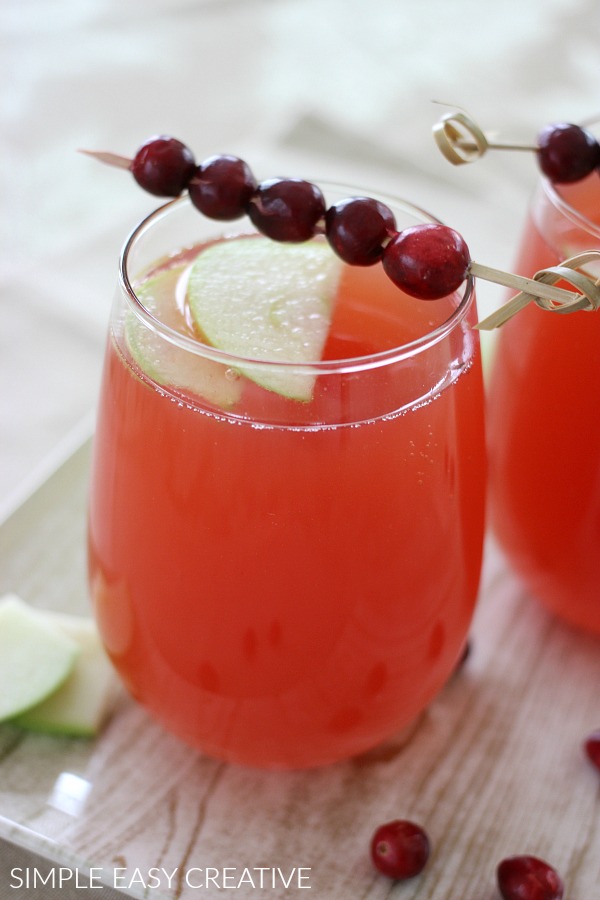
540,289
461,140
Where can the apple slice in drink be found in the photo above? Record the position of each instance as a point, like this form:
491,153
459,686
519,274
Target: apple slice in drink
165,362
36,657
263,300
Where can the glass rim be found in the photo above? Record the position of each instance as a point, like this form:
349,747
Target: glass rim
342,366
562,205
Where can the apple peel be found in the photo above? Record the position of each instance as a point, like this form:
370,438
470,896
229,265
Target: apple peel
36,657
166,363
83,702
75,695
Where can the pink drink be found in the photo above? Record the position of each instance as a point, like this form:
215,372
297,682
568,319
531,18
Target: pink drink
544,428
284,583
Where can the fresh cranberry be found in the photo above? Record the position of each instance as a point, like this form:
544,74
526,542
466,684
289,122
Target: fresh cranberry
592,748
358,229
163,166
287,209
427,261
221,187
400,849
528,878
567,152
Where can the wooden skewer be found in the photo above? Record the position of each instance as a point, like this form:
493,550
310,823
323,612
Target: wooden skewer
461,140
541,289
520,283
110,159
498,145
528,289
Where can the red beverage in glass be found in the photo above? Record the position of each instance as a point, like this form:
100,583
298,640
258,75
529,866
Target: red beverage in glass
287,583
544,429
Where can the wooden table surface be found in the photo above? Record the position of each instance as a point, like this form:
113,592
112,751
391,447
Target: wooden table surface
493,768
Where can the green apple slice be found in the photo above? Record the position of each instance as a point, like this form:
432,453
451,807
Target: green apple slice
263,300
35,657
165,362
80,705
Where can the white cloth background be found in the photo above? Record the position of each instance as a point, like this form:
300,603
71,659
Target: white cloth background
304,87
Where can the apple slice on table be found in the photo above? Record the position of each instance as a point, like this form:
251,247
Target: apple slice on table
81,704
54,673
36,657
165,362
269,301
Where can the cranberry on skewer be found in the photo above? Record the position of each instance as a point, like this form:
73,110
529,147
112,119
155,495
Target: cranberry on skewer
426,261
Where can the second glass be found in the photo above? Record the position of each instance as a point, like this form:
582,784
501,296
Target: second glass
287,583
544,428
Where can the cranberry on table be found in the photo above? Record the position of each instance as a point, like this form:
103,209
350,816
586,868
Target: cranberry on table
427,261
287,209
567,152
221,187
163,166
592,748
528,878
400,849
358,228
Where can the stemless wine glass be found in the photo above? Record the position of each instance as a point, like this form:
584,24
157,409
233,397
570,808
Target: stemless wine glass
544,428
285,583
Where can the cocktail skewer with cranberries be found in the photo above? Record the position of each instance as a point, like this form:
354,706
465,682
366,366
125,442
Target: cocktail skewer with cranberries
427,261
565,152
